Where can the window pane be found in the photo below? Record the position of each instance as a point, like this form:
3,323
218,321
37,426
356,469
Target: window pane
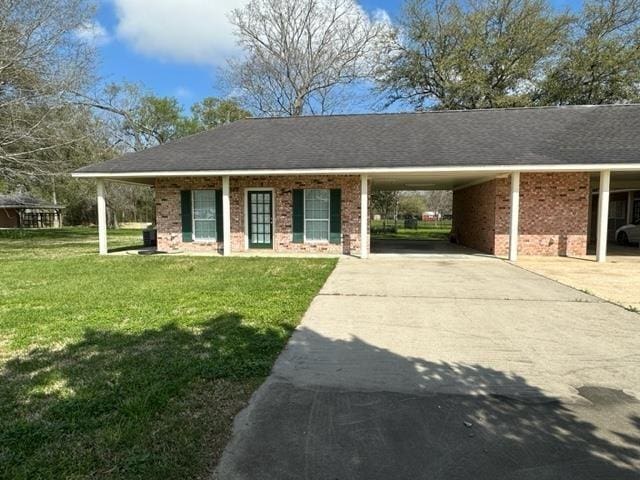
316,204
204,214
204,205
317,230
205,229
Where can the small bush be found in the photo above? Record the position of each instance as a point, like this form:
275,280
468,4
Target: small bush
387,229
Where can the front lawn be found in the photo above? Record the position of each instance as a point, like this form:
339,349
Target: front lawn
424,231
133,366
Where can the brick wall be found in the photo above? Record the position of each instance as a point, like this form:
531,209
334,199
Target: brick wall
8,218
553,214
169,218
474,216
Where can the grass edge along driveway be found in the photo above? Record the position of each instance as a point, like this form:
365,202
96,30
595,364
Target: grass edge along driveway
134,367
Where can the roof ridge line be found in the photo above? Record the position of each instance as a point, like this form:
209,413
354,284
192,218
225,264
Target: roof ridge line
460,111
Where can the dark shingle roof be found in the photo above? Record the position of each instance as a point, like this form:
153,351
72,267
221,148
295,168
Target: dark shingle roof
526,136
23,200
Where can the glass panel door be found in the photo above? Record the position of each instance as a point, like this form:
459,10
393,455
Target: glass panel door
260,220
617,216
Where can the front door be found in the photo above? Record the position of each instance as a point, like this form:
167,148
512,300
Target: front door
260,219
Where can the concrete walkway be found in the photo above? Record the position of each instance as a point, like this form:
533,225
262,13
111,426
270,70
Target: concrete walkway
448,367
617,280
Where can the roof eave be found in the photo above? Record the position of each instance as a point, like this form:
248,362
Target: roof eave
44,207
364,171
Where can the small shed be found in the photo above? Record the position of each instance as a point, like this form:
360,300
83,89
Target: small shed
25,211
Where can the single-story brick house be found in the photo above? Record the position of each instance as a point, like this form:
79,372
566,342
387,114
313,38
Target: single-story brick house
522,178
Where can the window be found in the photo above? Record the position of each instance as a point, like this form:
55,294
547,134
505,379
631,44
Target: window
204,214
316,215
617,209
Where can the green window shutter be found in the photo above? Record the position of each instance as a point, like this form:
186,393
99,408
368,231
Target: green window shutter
185,208
298,216
335,217
219,227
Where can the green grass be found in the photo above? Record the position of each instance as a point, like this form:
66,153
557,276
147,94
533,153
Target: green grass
425,231
133,366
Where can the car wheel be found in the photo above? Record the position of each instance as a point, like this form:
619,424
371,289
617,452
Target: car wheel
623,239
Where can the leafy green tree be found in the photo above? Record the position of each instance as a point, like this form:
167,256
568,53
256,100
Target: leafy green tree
601,61
162,118
134,119
411,204
137,119
476,54
385,203
211,112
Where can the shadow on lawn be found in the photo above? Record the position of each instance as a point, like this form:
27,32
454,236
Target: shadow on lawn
159,404
156,404
409,422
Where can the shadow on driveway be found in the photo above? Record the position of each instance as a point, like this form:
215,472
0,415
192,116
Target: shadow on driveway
294,430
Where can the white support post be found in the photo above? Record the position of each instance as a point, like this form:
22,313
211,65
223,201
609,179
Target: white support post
603,215
364,216
515,213
226,217
102,219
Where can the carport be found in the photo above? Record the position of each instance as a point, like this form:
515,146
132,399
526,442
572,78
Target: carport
418,181
596,214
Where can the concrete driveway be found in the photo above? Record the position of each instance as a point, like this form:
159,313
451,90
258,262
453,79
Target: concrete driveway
617,279
448,367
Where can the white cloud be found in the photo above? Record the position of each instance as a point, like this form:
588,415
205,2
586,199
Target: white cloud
93,33
183,92
381,15
189,31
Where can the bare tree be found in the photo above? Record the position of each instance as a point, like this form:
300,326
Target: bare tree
43,59
300,54
440,201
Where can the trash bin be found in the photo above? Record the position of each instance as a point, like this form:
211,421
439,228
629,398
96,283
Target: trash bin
410,223
149,237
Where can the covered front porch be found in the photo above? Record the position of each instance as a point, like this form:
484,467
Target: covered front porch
502,212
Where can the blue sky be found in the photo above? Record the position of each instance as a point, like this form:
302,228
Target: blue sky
176,47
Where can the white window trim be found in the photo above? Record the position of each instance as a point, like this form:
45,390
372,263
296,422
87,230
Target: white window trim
246,214
304,210
193,217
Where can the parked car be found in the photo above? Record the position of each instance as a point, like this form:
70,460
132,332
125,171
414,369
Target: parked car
629,233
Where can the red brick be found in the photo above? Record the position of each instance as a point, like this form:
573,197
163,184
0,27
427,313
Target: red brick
553,214
168,216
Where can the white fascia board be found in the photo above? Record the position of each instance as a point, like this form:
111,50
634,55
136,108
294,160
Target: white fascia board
371,171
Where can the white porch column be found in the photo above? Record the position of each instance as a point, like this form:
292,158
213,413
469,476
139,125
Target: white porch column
603,215
226,217
102,219
515,213
364,216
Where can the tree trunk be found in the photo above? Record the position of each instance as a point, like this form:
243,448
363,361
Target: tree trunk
298,105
